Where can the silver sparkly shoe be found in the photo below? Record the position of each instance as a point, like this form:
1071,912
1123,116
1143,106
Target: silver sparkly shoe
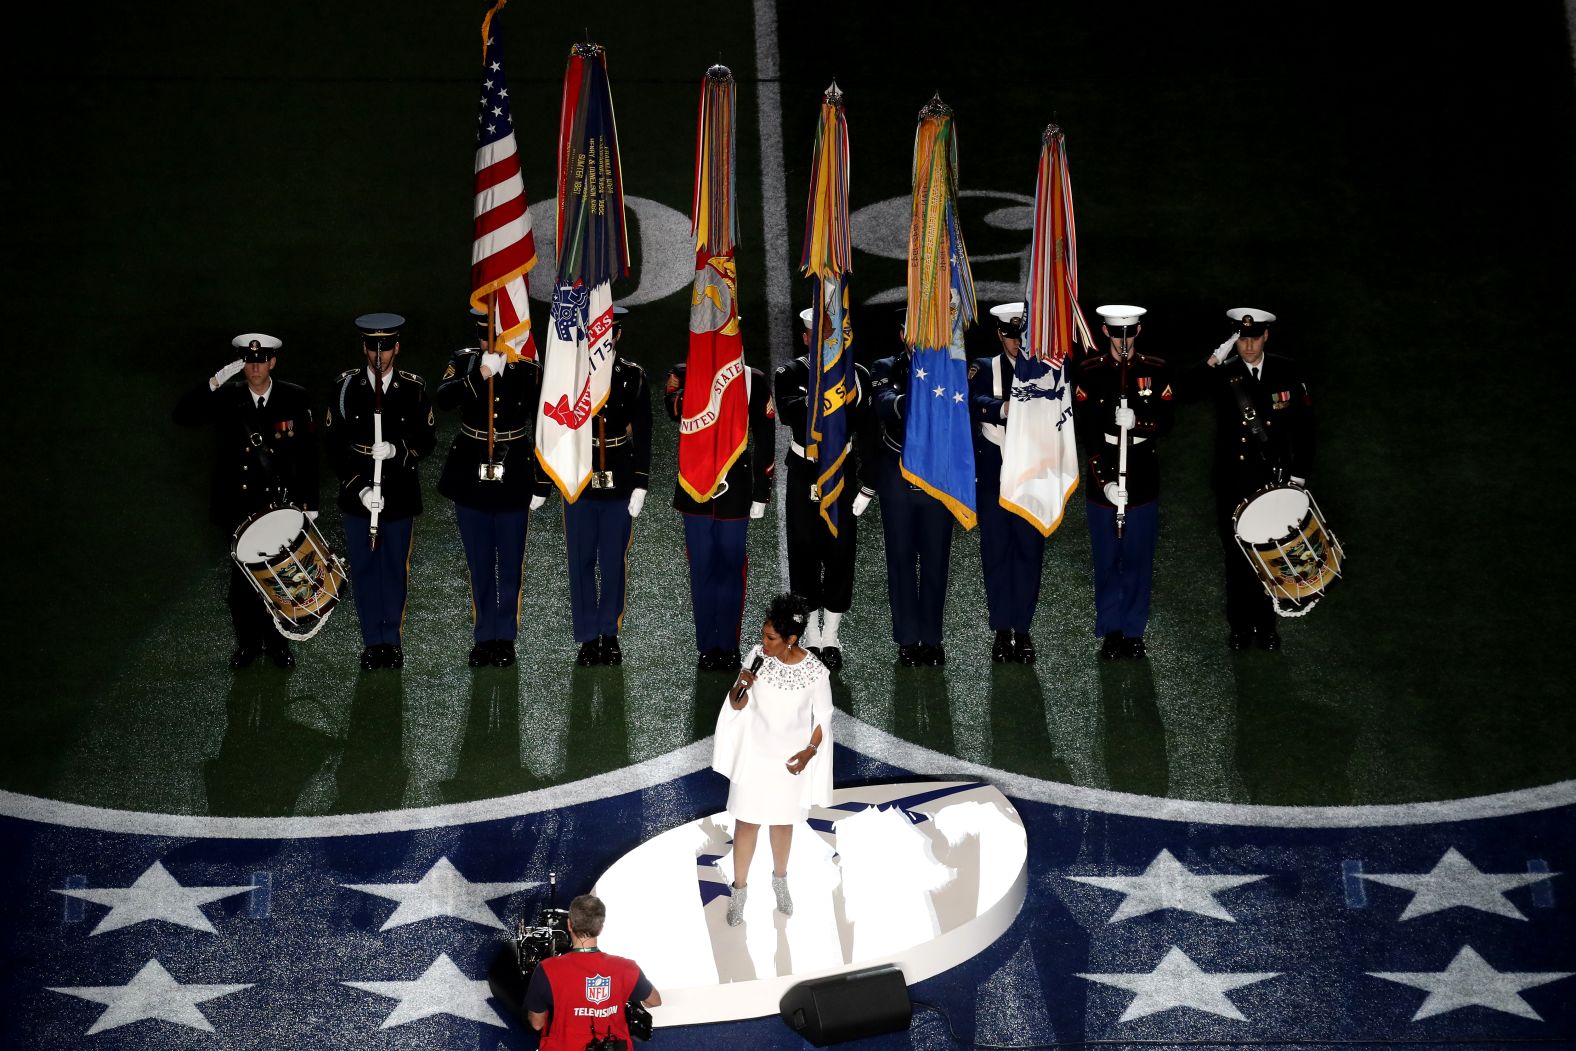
784,899
736,905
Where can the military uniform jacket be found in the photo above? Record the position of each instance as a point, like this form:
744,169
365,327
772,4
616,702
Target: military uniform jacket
1097,395
408,425
791,390
516,398
749,480
621,436
263,457
889,392
1245,463
990,389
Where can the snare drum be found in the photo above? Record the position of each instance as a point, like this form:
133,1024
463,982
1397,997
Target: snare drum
1282,533
291,566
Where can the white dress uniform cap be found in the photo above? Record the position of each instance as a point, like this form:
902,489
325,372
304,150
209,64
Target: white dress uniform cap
1120,314
1260,317
263,341
1009,313
807,315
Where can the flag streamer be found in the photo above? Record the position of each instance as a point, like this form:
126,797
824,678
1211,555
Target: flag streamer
714,429
938,448
826,260
1039,465
593,249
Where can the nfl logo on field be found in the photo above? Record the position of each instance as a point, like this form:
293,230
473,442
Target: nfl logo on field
598,988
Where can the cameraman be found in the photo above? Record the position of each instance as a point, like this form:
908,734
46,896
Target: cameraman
585,989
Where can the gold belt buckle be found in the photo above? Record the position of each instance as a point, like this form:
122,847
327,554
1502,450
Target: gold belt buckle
815,492
490,472
601,479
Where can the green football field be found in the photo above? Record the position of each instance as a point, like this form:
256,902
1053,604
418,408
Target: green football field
1398,190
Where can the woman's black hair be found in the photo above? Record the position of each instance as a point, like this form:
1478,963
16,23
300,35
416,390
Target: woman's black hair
788,615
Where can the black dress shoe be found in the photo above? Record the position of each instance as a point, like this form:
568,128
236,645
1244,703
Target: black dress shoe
480,656
612,653
371,658
935,656
281,655
590,654
729,660
1111,646
832,657
1001,651
909,656
1269,639
1134,648
393,657
1240,638
1023,647
707,661
503,653
244,656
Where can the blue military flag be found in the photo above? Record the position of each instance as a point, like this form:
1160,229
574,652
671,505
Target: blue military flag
938,450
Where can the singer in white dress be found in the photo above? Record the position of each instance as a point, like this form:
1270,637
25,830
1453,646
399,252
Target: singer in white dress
774,744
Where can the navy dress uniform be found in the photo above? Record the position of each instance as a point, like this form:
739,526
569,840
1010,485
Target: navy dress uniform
1123,565
917,527
493,491
379,572
599,525
820,565
1264,435
265,456
715,529
1012,552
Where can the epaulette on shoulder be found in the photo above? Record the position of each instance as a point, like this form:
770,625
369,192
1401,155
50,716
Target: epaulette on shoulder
1090,364
1152,361
463,351
343,376
625,363
412,377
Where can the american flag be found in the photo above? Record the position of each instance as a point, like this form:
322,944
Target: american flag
503,250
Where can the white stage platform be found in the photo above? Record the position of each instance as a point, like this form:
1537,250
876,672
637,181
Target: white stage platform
922,875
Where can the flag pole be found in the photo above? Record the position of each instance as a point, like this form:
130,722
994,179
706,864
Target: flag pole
492,339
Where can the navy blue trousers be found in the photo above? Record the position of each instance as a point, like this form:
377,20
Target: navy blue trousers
918,530
597,533
1123,569
718,562
378,576
494,543
1012,556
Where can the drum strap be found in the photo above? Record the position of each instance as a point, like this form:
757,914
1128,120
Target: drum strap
1250,413
265,458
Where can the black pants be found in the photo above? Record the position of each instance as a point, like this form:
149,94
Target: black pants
254,626
1248,605
820,565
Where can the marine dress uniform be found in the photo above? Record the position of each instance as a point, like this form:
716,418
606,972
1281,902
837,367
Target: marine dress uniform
1264,435
265,447
820,565
917,526
599,525
715,529
1012,552
493,493
1123,565
379,571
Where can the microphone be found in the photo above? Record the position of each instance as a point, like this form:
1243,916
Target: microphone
739,689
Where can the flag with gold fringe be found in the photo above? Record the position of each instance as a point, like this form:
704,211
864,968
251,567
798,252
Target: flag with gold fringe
503,249
714,426
938,447
592,250
827,261
1039,457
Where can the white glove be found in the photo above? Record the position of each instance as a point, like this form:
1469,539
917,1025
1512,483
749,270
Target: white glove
311,516
492,364
1125,418
758,509
1222,352
384,451
637,500
537,502
218,379
1299,481
1115,494
370,500
861,502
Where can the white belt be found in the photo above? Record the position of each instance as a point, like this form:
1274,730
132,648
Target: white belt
1112,439
798,450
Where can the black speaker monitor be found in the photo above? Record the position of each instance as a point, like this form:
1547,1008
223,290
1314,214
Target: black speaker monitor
848,1006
